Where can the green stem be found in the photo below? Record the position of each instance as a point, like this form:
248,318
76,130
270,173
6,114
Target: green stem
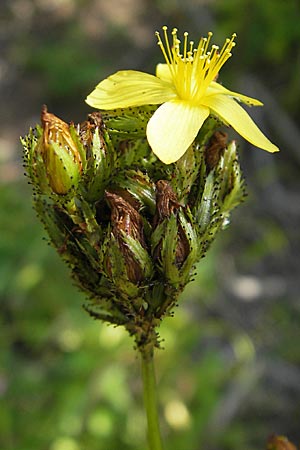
150,401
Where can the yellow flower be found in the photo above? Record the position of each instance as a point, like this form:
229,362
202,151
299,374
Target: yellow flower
186,89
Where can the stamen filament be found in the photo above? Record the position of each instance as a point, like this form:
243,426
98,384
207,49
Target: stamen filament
194,69
165,29
185,45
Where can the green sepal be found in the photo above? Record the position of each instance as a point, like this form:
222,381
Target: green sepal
100,166
132,153
83,214
165,236
140,186
54,223
189,168
234,187
34,163
128,122
62,170
117,269
189,229
79,145
206,206
140,255
98,309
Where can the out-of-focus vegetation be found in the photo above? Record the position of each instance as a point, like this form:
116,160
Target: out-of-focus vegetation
229,375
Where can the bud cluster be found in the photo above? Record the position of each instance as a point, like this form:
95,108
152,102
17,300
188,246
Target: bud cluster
130,227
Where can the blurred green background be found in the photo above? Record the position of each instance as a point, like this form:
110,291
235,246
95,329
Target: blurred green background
229,375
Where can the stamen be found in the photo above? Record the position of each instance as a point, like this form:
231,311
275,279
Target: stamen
228,44
193,69
165,30
161,45
225,53
174,34
185,45
209,35
201,46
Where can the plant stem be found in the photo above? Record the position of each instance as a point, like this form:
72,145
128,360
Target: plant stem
150,401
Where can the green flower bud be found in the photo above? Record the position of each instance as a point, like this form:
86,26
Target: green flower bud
174,240
60,155
232,185
100,156
222,190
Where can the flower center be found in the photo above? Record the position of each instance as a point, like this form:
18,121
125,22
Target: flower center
193,69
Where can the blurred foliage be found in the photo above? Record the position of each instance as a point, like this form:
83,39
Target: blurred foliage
268,34
229,374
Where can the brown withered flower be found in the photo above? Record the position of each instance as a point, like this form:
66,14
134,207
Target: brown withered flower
126,219
87,128
215,148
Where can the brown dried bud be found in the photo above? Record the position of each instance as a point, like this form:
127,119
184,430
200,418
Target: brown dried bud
88,127
126,219
216,146
166,202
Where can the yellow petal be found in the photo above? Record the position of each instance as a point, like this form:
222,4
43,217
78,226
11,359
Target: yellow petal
233,114
217,88
130,88
163,72
173,127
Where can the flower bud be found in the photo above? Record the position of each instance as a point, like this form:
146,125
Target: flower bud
174,240
222,190
130,255
61,156
166,206
100,156
232,189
